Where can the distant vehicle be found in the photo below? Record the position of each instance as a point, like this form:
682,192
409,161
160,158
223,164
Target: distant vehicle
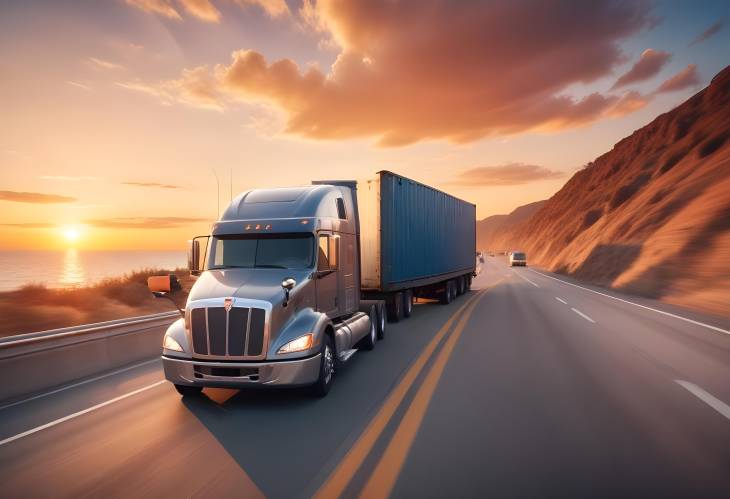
517,258
293,281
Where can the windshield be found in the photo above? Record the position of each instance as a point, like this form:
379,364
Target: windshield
272,251
518,256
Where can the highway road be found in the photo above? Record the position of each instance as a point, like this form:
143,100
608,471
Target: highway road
528,386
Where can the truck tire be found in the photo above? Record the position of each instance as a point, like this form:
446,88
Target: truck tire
381,320
368,342
189,391
407,302
447,294
460,286
468,282
395,307
326,368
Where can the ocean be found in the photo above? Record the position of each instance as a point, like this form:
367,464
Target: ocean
76,268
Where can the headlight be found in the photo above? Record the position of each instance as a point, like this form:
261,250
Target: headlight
302,343
169,343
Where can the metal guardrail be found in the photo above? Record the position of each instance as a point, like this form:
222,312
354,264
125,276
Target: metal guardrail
83,329
38,361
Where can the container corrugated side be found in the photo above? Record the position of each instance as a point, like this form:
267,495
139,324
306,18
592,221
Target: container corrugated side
425,233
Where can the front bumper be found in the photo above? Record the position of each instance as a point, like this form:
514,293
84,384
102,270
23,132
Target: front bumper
298,372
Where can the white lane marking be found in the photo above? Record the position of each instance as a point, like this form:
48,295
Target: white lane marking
697,323
525,278
582,315
705,397
80,413
561,300
67,387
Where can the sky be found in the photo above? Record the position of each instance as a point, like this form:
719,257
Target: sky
128,123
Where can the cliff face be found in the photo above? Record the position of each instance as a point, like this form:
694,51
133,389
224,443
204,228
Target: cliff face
494,228
650,217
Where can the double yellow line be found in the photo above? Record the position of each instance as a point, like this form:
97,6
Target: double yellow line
386,472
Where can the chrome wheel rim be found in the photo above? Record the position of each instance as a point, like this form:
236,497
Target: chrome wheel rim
382,321
328,364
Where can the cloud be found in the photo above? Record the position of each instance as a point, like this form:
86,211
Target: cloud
509,174
78,85
161,7
274,8
102,64
145,222
34,197
456,71
67,177
708,33
152,184
686,78
629,103
31,225
196,87
649,64
202,9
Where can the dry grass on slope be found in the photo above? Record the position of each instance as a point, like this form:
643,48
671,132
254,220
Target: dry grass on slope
37,308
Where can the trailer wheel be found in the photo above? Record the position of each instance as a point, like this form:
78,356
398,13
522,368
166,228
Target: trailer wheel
447,293
407,302
468,282
368,342
461,285
395,307
381,320
189,391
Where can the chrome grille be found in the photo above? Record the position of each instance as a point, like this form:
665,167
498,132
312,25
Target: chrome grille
238,332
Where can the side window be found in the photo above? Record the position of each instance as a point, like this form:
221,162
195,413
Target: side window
329,249
334,252
341,208
323,253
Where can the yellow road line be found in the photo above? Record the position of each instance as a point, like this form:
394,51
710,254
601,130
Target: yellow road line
341,476
386,473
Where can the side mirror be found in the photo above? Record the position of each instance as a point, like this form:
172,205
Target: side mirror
195,254
163,283
287,285
162,286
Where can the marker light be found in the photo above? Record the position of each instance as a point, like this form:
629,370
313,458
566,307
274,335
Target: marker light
248,227
169,343
258,226
302,343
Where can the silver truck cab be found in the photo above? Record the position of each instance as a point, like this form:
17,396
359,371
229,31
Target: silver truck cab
277,300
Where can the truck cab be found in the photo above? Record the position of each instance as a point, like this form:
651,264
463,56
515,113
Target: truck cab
277,299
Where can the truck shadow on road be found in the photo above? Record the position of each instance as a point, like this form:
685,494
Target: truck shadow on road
285,439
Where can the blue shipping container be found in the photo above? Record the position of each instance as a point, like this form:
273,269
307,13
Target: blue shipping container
426,235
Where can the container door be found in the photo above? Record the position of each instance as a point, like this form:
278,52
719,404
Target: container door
327,274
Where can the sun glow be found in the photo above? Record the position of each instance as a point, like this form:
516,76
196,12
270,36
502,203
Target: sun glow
71,234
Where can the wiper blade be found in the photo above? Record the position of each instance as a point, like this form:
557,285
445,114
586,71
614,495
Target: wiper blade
270,267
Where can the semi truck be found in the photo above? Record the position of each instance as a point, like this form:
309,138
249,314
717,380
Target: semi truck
291,282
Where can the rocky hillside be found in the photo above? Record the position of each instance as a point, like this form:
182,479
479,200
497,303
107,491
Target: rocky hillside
650,217
493,228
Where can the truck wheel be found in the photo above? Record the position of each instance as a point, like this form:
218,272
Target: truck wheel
368,342
446,294
460,286
189,391
395,307
326,368
407,302
381,320
468,282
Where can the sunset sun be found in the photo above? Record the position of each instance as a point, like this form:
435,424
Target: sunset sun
71,234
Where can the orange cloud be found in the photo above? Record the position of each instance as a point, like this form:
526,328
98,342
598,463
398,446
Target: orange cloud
196,87
161,7
145,222
649,64
274,8
509,174
34,197
409,71
103,64
686,78
152,184
202,9
629,103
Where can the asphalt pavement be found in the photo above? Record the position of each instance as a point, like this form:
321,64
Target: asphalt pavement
530,385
